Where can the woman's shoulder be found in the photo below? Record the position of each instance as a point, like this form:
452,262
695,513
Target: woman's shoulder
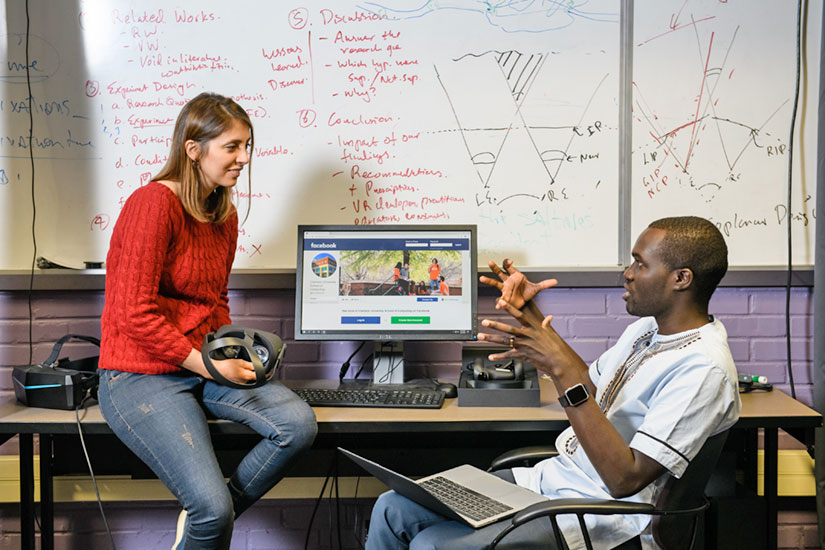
152,201
154,190
160,195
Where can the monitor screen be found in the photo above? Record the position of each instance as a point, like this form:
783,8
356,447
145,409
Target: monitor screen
386,283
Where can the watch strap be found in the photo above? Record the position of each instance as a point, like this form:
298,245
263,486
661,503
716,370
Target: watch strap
569,397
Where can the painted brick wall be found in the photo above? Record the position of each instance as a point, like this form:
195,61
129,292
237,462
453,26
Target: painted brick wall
151,526
590,319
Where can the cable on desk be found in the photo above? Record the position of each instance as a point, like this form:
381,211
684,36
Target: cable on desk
91,471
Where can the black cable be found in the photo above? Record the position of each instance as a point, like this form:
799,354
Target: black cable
337,505
34,203
30,296
91,471
364,364
790,191
384,377
329,514
318,503
345,365
356,528
392,364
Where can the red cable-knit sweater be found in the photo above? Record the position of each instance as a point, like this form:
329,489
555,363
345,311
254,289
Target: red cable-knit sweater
166,283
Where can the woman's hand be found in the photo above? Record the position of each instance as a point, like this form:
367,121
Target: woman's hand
236,370
515,289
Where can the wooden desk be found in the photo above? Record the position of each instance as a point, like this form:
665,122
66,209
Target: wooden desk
769,411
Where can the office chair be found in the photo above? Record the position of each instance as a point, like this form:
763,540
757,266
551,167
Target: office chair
675,514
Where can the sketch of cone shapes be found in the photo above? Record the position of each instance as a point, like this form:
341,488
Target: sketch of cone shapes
519,70
496,136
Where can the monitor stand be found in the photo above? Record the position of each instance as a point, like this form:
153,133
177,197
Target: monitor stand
388,363
388,369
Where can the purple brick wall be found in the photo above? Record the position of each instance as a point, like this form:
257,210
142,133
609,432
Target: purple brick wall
151,526
590,319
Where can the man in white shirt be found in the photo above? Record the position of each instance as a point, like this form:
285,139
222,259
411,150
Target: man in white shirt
638,414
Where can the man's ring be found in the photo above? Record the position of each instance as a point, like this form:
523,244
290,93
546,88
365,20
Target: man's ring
512,342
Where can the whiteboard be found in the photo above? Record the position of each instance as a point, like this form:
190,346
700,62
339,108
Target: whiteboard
504,116
364,112
713,93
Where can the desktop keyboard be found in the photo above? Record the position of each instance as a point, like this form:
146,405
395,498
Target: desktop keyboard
414,398
464,500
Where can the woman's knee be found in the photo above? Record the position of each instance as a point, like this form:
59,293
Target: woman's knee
303,426
214,513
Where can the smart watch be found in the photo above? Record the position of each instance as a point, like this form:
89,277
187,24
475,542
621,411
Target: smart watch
574,396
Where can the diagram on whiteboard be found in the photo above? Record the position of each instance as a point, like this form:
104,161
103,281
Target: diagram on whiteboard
712,133
502,135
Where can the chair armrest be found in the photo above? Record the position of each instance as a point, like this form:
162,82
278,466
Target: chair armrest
580,506
523,456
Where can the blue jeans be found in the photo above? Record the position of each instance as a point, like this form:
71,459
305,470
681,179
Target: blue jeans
162,419
398,523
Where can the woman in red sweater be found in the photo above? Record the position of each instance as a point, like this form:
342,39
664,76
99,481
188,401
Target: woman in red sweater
166,287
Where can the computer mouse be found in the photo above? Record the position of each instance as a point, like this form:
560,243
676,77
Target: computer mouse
450,390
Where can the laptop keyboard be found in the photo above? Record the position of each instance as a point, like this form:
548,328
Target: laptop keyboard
463,500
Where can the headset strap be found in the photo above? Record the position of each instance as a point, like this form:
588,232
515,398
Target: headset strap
51,361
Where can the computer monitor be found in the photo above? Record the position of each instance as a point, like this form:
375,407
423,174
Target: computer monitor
386,284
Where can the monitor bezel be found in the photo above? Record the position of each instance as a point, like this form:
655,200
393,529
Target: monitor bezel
399,336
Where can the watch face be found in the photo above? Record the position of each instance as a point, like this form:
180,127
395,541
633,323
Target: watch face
577,394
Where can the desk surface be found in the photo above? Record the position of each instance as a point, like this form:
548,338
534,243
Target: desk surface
759,409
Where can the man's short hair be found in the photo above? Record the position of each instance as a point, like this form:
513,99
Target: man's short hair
697,244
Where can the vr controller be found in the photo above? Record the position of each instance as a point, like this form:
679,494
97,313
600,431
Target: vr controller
263,349
512,370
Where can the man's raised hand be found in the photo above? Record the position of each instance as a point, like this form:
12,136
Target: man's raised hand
515,289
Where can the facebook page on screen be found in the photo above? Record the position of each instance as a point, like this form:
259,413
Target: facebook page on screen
385,281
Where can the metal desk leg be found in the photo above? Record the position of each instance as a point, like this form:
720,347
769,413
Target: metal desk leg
27,491
46,493
751,459
770,484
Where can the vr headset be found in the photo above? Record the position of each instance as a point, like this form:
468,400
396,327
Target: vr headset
64,384
263,349
57,383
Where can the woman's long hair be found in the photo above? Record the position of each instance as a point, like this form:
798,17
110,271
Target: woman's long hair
204,118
